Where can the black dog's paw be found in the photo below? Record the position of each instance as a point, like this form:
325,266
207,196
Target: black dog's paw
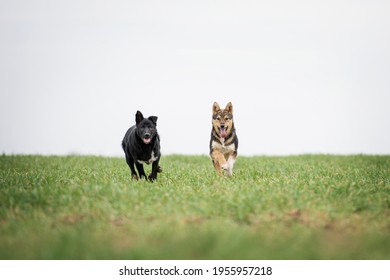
134,177
152,177
159,169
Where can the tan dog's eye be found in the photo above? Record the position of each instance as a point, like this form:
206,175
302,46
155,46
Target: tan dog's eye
219,118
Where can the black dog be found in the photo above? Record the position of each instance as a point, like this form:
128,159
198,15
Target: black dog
141,144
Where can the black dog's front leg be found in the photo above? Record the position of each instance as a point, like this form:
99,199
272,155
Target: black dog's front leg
155,169
140,169
130,163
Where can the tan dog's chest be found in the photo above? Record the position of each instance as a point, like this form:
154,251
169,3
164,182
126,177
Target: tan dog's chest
226,150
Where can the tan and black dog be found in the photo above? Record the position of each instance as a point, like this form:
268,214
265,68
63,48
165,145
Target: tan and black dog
224,141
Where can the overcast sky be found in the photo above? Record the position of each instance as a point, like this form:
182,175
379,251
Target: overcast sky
303,76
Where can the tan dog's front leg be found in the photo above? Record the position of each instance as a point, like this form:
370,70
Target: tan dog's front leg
230,163
219,161
217,167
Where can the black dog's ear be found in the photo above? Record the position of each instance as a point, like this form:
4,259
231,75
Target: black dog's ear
138,117
153,119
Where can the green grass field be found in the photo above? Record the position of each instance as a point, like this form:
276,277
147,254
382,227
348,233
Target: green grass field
296,207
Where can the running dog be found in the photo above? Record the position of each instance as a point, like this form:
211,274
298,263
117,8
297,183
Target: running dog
141,144
224,141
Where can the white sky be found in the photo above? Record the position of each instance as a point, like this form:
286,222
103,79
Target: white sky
303,76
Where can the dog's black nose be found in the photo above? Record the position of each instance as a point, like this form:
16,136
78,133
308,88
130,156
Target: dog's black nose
222,125
147,135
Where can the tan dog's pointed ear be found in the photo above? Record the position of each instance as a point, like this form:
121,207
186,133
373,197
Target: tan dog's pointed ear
216,108
229,108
